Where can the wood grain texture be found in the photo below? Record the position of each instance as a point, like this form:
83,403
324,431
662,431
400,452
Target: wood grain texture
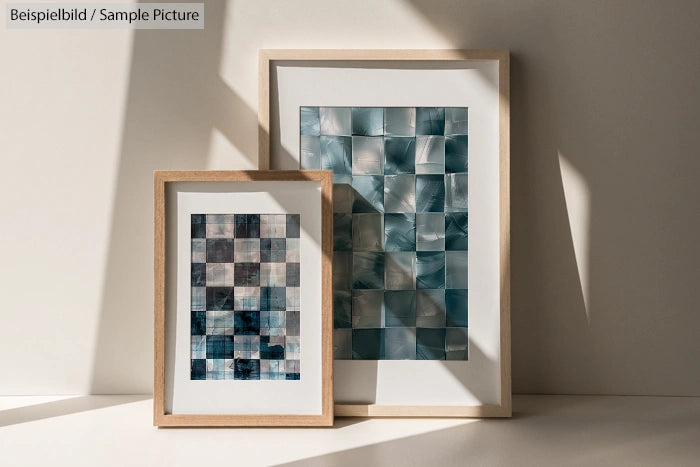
163,419
502,57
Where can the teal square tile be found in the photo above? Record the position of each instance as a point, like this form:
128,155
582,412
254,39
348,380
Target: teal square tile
456,230
400,232
368,121
430,193
457,307
336,155
430,121
430,344
456,153
400,155
368,344
400,343
457,269
368,193
399,308
342,309
430,270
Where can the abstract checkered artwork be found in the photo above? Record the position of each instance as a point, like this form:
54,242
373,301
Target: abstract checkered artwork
400,226
245,296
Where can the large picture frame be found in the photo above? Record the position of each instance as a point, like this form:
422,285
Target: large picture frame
243,325
295,81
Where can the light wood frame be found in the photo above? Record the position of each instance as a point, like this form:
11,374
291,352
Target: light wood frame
502,57
163,419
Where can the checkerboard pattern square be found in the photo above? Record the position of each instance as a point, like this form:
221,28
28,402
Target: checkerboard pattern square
245,300
400,228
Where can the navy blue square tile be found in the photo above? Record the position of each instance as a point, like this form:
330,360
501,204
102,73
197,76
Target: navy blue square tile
430,121
430,270
199,230
368,344
430,193
400,155
430,344
292,376
198,369
293,275
273,298
199,274
219,346
246,369
247,225
219,298
246,323
336,155
270,352
293,225
198,218
219,250
246,274
198,323
456,224
273,250
457,306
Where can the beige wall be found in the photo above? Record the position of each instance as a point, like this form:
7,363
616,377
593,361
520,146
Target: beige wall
605,156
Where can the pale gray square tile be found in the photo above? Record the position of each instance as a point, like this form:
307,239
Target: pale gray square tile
246,250
199,299
368,232
456,192
228,274
293,250
342,344
273,274
310,152
216,274
219,230
430,308
367,155
400,121
220,218
342,197
400,270
430,231
430,154
456,121
335,121
367,306
457,344
400,193
199,250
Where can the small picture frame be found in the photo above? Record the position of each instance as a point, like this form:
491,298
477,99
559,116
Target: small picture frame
243,324
419,145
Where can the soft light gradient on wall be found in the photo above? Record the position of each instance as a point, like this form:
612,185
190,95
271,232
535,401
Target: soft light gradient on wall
603,97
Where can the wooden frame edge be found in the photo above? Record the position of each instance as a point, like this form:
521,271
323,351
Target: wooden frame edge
266,56
163,419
